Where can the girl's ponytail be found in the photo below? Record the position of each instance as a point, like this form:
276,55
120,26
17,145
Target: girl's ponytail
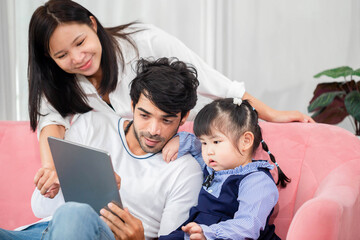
282,178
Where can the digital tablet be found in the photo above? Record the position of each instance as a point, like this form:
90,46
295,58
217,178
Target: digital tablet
86,174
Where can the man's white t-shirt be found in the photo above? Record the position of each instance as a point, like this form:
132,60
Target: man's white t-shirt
160,194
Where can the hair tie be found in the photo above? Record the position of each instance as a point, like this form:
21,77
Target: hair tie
269,152
262,141
237,101
276,164
253,109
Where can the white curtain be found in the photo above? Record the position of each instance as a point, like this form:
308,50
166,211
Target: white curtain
274,46
7,65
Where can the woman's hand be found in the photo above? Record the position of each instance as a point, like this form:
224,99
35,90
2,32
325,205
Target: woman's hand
194,230
291,116
47,181
171,149
271,115
122,223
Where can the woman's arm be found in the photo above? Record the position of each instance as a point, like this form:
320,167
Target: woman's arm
46,179
213,84
271,115
50,123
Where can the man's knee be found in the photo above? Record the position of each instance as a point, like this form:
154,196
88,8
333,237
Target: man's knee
74,221
74,212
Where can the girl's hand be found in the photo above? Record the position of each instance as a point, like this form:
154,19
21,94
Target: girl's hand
194,230
47,181
171,149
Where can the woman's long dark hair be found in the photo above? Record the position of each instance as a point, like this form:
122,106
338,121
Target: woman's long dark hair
47,79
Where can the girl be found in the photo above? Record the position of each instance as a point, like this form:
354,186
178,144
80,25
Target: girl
76,65
239,193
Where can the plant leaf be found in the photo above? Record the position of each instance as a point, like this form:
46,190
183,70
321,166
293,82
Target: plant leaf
332,114
317,113
356,72
352,104
326,87
336,72
324,100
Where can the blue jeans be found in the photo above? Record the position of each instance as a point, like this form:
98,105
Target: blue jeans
34,232
71,221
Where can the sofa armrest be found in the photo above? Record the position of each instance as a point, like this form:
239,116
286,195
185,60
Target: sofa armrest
334,211
316,219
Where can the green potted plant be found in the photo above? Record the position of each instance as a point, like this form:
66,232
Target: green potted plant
333,101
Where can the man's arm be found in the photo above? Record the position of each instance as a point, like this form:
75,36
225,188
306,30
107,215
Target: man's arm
42,206
183,194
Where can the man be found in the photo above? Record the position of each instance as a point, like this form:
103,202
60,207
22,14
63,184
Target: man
158,195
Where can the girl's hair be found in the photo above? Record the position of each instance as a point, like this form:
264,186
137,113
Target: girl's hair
234,120
47,79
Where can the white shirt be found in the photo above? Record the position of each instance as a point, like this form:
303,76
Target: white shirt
155,43
158,193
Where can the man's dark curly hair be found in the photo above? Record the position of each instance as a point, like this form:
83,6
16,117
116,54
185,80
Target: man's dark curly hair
168,83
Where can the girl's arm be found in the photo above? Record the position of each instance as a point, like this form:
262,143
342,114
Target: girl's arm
181,144
257,197
46,179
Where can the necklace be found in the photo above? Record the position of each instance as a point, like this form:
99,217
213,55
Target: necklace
126,130
209,180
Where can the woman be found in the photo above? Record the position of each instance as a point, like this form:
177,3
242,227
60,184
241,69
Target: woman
76,65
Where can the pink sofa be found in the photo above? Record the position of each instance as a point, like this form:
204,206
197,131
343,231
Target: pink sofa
19,161
321,202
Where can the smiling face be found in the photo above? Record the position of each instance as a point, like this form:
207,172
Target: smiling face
152,128
219,153
76,48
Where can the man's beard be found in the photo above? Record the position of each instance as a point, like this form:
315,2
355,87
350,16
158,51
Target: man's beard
150,149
